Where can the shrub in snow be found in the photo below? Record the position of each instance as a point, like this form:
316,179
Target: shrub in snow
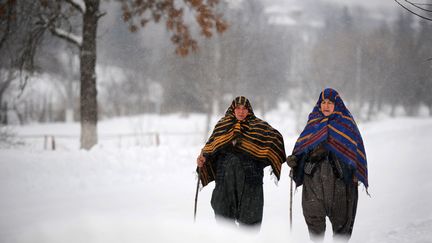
8,138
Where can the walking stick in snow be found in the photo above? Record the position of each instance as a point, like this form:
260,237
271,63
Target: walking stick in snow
291,194
196,195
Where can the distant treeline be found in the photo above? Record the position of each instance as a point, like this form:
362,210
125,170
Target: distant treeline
378,61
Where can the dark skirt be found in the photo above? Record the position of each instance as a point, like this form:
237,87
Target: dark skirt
238,194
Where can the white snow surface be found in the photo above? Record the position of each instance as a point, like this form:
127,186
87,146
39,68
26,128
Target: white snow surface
140,192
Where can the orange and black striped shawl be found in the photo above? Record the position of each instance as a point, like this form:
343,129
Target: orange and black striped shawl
254,136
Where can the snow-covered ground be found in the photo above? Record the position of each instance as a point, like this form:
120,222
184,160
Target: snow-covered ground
129,191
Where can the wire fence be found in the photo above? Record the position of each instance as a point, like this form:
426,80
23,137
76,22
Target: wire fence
125,140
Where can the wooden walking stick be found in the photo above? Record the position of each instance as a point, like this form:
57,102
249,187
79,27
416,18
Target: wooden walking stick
291,194
196,194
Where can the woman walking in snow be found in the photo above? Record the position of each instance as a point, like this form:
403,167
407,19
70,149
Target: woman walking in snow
235,155
328,160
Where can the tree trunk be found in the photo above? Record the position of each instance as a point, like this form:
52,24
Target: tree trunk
43,115
393,110
4,84
5,118
430,109
3,112
207,128
209,115
88,99
69,111
371,107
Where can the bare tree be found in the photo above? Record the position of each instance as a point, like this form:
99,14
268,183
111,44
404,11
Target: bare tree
422,10
61,18
57,17
19,39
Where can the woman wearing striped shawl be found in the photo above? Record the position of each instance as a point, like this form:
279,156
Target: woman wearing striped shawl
234,156
328,160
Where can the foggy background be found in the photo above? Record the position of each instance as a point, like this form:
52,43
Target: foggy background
373,52
155,110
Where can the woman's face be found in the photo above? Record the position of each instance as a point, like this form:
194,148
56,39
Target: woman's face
327,107
241,112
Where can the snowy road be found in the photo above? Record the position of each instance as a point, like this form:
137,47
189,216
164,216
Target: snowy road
147,194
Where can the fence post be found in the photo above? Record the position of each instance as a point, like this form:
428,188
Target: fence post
157,139
45,142
53,145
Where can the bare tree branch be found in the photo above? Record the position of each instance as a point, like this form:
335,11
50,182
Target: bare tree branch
63,34
9,7
100,15
423,4
76,5
418,6
68,36
4,84
409,10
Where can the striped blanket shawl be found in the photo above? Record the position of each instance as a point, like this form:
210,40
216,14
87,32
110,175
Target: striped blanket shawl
253,136
338,132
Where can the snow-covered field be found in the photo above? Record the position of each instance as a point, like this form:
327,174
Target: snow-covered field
129,191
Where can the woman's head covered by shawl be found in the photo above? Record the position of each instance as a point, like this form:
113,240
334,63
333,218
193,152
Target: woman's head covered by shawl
338,132
240,100
334,97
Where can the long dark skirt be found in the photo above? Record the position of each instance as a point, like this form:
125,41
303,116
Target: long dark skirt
238,195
